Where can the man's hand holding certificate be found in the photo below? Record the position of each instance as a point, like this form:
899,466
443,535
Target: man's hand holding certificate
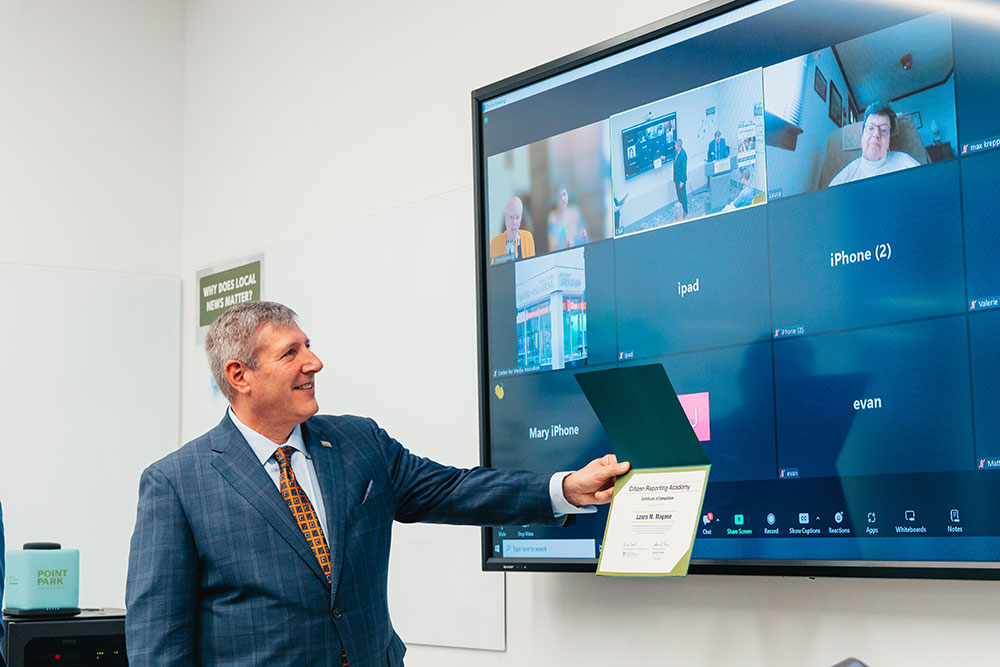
655,507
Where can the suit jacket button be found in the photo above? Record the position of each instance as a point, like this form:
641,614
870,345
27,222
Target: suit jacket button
337,614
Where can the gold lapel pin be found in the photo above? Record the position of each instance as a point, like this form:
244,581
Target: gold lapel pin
325,443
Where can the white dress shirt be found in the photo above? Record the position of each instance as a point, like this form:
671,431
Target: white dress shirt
302,465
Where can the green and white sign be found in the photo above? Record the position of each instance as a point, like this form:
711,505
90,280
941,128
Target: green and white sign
220,291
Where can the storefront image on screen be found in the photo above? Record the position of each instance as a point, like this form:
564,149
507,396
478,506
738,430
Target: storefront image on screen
551,300
791,205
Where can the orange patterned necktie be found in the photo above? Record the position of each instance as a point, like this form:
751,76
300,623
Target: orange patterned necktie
305,516
302,509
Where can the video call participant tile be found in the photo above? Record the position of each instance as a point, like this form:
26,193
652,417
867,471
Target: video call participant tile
552,193
835,125
698,285
984,330
886,249
552,312
977,83
544,422
728,396
876,401
981,206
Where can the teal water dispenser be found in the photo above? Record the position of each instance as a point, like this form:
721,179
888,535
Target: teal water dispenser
43,579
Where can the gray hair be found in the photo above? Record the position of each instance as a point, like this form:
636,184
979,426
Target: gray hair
233,337
881,109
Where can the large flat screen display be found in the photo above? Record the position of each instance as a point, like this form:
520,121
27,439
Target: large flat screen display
794,207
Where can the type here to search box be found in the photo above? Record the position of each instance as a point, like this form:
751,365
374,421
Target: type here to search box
549,548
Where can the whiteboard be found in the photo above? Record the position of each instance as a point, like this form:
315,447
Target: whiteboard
90,396
389,303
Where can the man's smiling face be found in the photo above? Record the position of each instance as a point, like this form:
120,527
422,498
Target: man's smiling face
281,388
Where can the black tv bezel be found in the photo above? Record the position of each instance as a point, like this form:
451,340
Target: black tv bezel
960,570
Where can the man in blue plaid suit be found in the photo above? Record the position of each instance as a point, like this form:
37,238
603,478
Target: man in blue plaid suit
220,572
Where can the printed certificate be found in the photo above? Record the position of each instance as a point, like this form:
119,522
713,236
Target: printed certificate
652,522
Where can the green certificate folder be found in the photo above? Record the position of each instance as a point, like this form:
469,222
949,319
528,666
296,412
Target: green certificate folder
652,529
639,410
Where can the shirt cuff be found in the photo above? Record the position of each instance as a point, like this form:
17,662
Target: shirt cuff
561,506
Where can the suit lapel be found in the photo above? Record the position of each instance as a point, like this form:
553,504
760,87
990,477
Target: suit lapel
330,478
239,466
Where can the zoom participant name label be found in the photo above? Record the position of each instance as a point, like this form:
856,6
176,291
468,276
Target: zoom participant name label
554,431
984,304
874,403
880,252
684,289
785,332
983,145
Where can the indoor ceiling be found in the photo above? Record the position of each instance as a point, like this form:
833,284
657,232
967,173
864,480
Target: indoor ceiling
872,67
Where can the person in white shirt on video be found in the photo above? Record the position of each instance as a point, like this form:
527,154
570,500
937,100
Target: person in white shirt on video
876,158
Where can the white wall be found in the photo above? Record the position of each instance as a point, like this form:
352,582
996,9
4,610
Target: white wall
277,100
91,395
91,114
90,125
